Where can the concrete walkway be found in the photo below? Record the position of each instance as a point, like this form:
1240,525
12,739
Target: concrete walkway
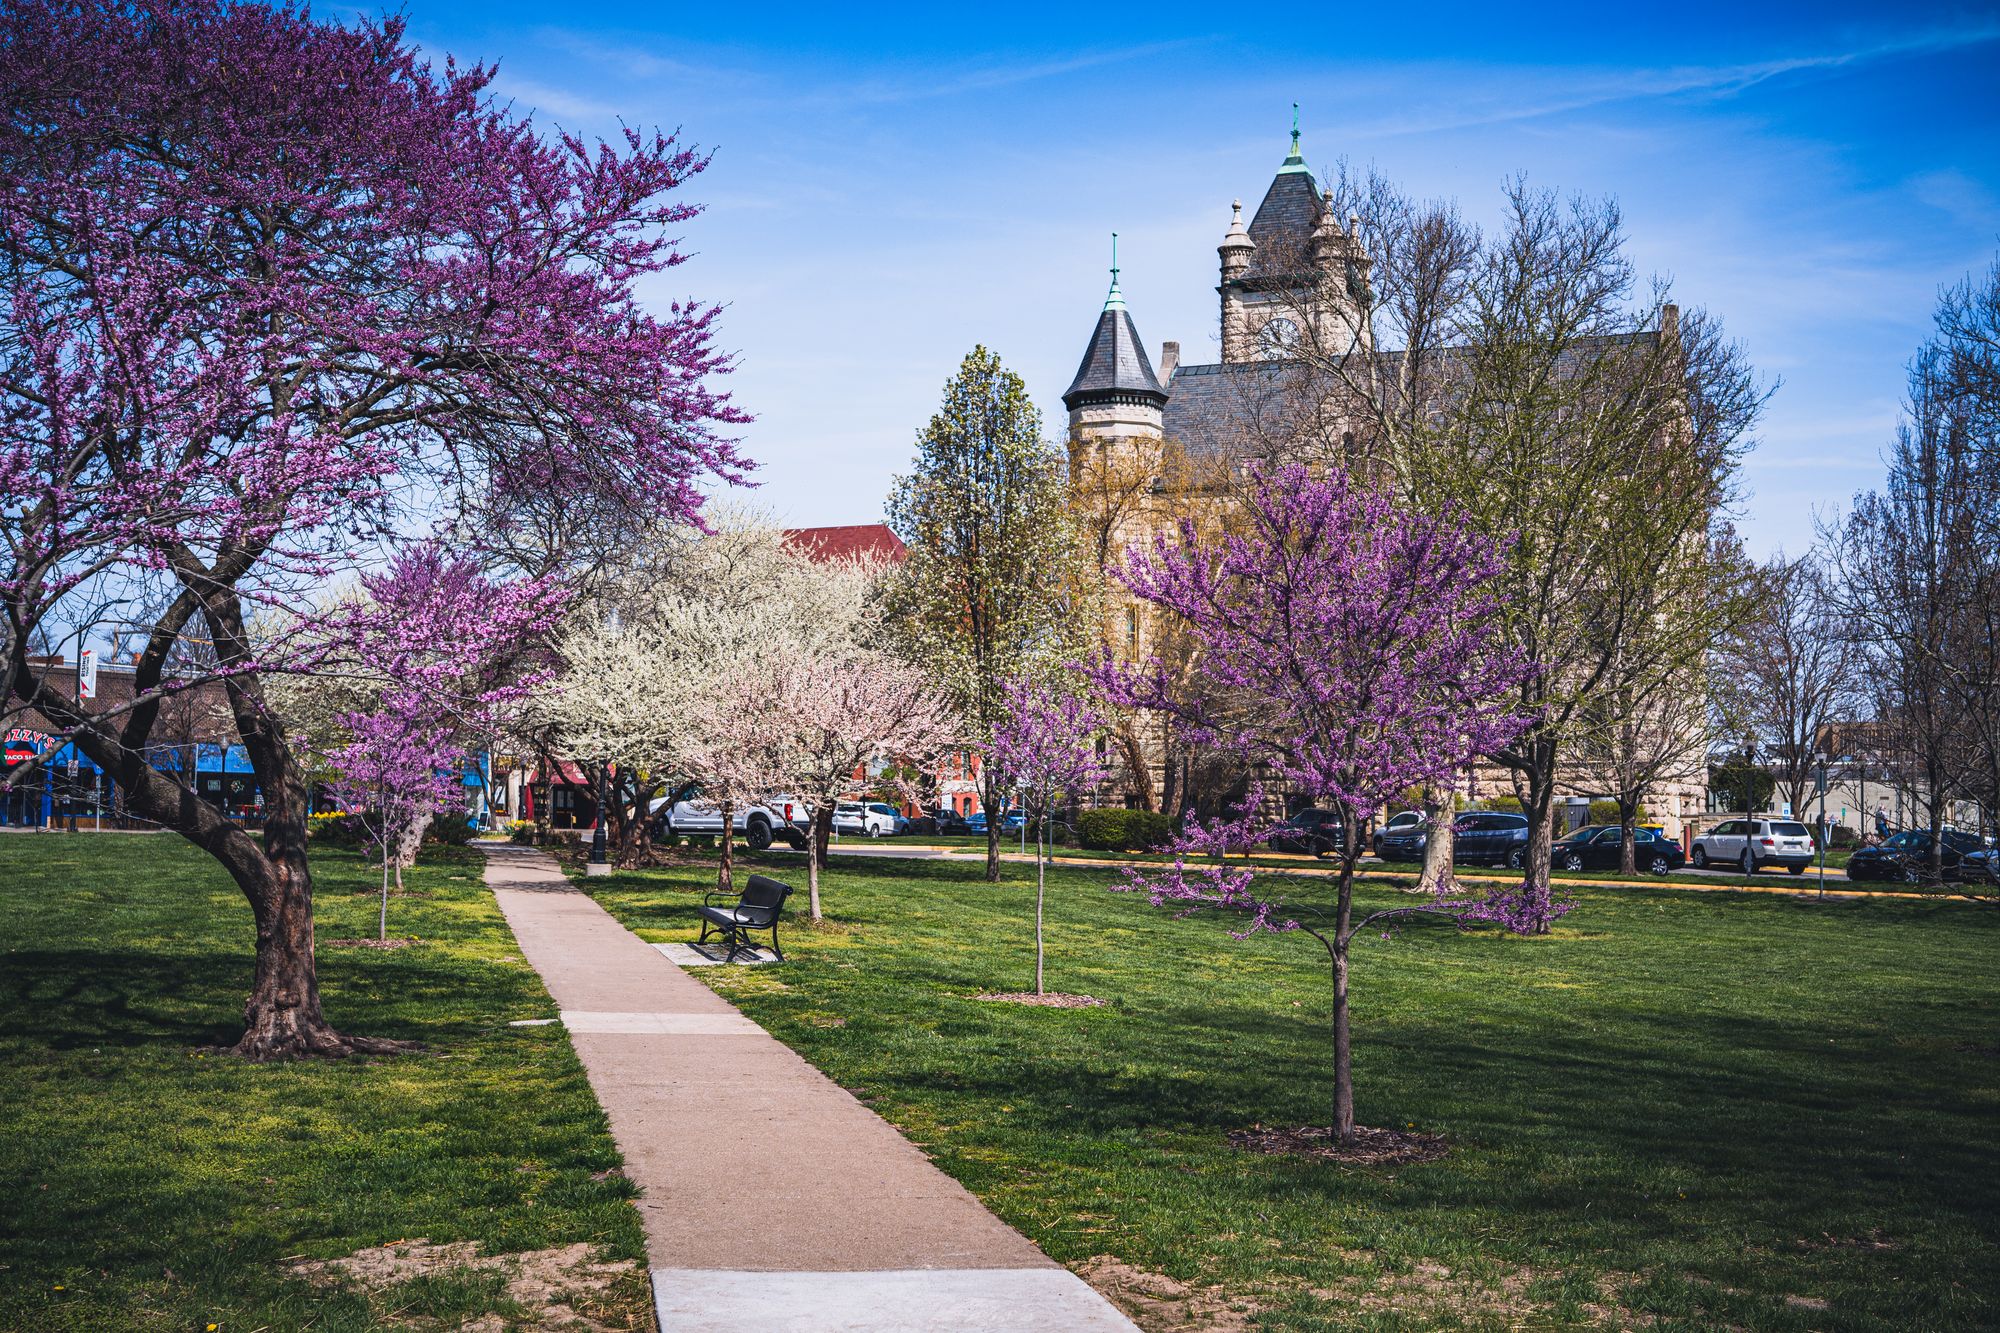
773,1200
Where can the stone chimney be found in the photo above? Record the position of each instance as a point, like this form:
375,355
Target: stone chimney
1170,356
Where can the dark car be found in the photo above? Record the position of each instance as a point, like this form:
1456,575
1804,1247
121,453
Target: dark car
1403,844
1980,867
1596,847
1485,837
1398,823
1907,856
949,823
1312,832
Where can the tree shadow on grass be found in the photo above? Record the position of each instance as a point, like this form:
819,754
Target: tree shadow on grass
65,999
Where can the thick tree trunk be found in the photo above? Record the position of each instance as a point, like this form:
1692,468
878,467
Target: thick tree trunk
1438,868
1539,806
1628,846
282,1019
1136,765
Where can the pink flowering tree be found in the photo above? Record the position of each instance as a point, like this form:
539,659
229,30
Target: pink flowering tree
445,650
813,725
1046,746
274,293
1346,647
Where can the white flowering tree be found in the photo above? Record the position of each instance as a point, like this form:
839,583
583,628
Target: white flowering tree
814,724
651,668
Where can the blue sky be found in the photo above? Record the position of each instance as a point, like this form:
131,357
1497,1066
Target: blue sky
891,186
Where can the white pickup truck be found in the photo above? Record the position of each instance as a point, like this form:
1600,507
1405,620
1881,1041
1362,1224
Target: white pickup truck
761,824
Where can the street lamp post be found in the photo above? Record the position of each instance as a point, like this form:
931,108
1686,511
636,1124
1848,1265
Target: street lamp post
599,864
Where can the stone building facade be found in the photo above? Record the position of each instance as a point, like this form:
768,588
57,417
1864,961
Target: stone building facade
1294,260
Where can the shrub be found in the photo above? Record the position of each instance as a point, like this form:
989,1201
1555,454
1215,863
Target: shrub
1122,830
451,828
1101,830
1146,829
1504,805
332,829
521,830
1606,812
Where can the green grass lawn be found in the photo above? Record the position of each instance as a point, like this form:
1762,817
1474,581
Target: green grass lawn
148,1183
1683,1110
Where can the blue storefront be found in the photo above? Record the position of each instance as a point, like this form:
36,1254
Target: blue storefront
69,785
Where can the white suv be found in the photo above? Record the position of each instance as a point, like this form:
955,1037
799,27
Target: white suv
875,819
1752,844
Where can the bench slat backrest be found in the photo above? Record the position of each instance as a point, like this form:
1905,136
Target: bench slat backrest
763,898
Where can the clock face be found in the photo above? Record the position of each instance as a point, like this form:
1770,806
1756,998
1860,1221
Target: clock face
1278,338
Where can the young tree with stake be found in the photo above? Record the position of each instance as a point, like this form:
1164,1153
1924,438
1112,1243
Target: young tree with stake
1046,747
1353,649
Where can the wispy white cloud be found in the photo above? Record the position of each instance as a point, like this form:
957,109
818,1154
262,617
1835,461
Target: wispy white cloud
1532,94
554,101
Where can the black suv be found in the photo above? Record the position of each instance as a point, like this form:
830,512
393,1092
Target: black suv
1313,832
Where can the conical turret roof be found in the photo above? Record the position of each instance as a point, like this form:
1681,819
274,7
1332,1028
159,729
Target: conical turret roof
1114,364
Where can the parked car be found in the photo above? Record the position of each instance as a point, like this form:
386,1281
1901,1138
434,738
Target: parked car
1981,867
1401,822
947,822
1490,837
1404,842
1907,857
776,819
874,818
1313,832
1752,844
1597,847
1010,822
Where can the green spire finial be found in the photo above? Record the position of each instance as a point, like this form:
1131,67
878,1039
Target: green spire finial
1116,299
1297,161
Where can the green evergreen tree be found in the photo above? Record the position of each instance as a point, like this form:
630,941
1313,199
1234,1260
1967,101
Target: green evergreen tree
993,588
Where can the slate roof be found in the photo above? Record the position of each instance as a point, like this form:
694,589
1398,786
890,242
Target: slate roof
874,540
1236,409
1114,363
1285,220
1227,410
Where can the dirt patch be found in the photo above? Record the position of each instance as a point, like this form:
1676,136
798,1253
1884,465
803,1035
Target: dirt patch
1047,1000
566,1288
1161,1304
1371,1146
364,944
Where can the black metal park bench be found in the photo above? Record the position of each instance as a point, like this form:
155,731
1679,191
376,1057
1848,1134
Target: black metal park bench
758,907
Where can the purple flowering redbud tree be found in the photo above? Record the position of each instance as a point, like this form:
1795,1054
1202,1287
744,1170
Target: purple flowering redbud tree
1045,745
275,293
1349,649
445,650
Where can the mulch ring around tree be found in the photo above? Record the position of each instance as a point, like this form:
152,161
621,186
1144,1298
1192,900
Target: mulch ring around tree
1047,1000
1371,1146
